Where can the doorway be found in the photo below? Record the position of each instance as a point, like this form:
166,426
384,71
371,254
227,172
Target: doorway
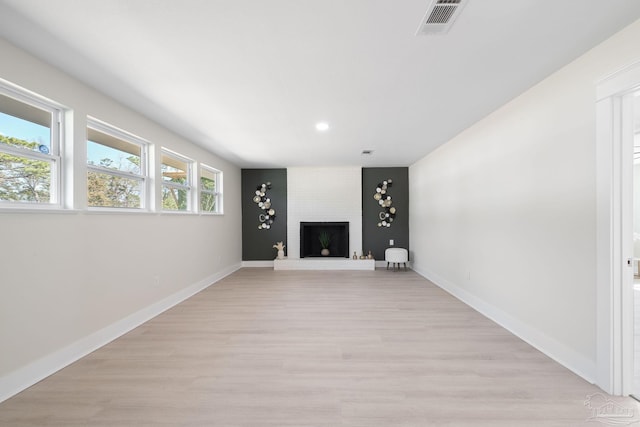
616,101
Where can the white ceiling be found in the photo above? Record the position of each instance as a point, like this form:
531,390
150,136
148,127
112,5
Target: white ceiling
248,79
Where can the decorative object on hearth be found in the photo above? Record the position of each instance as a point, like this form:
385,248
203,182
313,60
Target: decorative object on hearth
266,219
280,247
325,241
369,255
385,201
354,255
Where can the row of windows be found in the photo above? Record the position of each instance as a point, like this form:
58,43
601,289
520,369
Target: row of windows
118,168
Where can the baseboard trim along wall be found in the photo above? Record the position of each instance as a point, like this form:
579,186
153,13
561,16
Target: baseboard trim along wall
383,264
557,351
16,381
254,264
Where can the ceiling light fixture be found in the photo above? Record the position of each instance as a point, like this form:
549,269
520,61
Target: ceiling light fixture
322,126
367,152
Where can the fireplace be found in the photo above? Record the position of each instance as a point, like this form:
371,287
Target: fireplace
310,239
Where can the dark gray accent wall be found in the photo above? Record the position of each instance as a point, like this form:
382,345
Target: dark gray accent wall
257,245
374,238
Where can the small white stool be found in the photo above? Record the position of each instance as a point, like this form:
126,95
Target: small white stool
396,256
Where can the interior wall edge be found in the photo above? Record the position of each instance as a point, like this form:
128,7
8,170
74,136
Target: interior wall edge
26,376
565,356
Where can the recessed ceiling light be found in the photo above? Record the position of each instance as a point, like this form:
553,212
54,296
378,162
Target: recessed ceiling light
322,126
367,152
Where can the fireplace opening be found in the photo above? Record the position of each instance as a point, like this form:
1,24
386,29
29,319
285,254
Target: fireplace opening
310,239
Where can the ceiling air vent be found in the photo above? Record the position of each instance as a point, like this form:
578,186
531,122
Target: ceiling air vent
440,16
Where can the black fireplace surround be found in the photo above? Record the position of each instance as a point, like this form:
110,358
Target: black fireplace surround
310,239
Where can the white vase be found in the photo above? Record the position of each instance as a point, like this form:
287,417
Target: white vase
324,252
280,254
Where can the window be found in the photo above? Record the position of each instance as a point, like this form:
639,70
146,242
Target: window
30,159
210,190
116,168
176,182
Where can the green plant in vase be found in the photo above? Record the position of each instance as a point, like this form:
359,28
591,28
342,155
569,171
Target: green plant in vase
325,241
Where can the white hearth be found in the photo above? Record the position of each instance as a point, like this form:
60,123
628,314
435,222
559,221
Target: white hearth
324,264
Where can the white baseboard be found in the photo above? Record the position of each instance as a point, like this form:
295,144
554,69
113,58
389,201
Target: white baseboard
22,378
254,264
383,264
556,350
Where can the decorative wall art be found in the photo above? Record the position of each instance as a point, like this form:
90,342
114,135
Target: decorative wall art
384,200
269,214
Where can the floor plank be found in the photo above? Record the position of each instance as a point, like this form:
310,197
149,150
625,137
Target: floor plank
313,348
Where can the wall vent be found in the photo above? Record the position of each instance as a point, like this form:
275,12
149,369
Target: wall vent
440,16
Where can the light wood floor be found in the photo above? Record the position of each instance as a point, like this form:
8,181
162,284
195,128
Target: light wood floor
287,348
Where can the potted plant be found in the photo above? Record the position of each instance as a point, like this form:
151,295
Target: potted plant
325,241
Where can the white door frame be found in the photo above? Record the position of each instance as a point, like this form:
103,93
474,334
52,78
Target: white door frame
614,205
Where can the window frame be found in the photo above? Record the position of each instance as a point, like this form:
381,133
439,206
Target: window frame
191,205
217,193
54,157
127,137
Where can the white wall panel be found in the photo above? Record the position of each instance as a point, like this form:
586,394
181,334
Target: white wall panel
65,277
324,194
504,214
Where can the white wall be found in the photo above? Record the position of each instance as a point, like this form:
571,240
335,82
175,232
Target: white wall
636,187
71,280
503,215
636,212
324,194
